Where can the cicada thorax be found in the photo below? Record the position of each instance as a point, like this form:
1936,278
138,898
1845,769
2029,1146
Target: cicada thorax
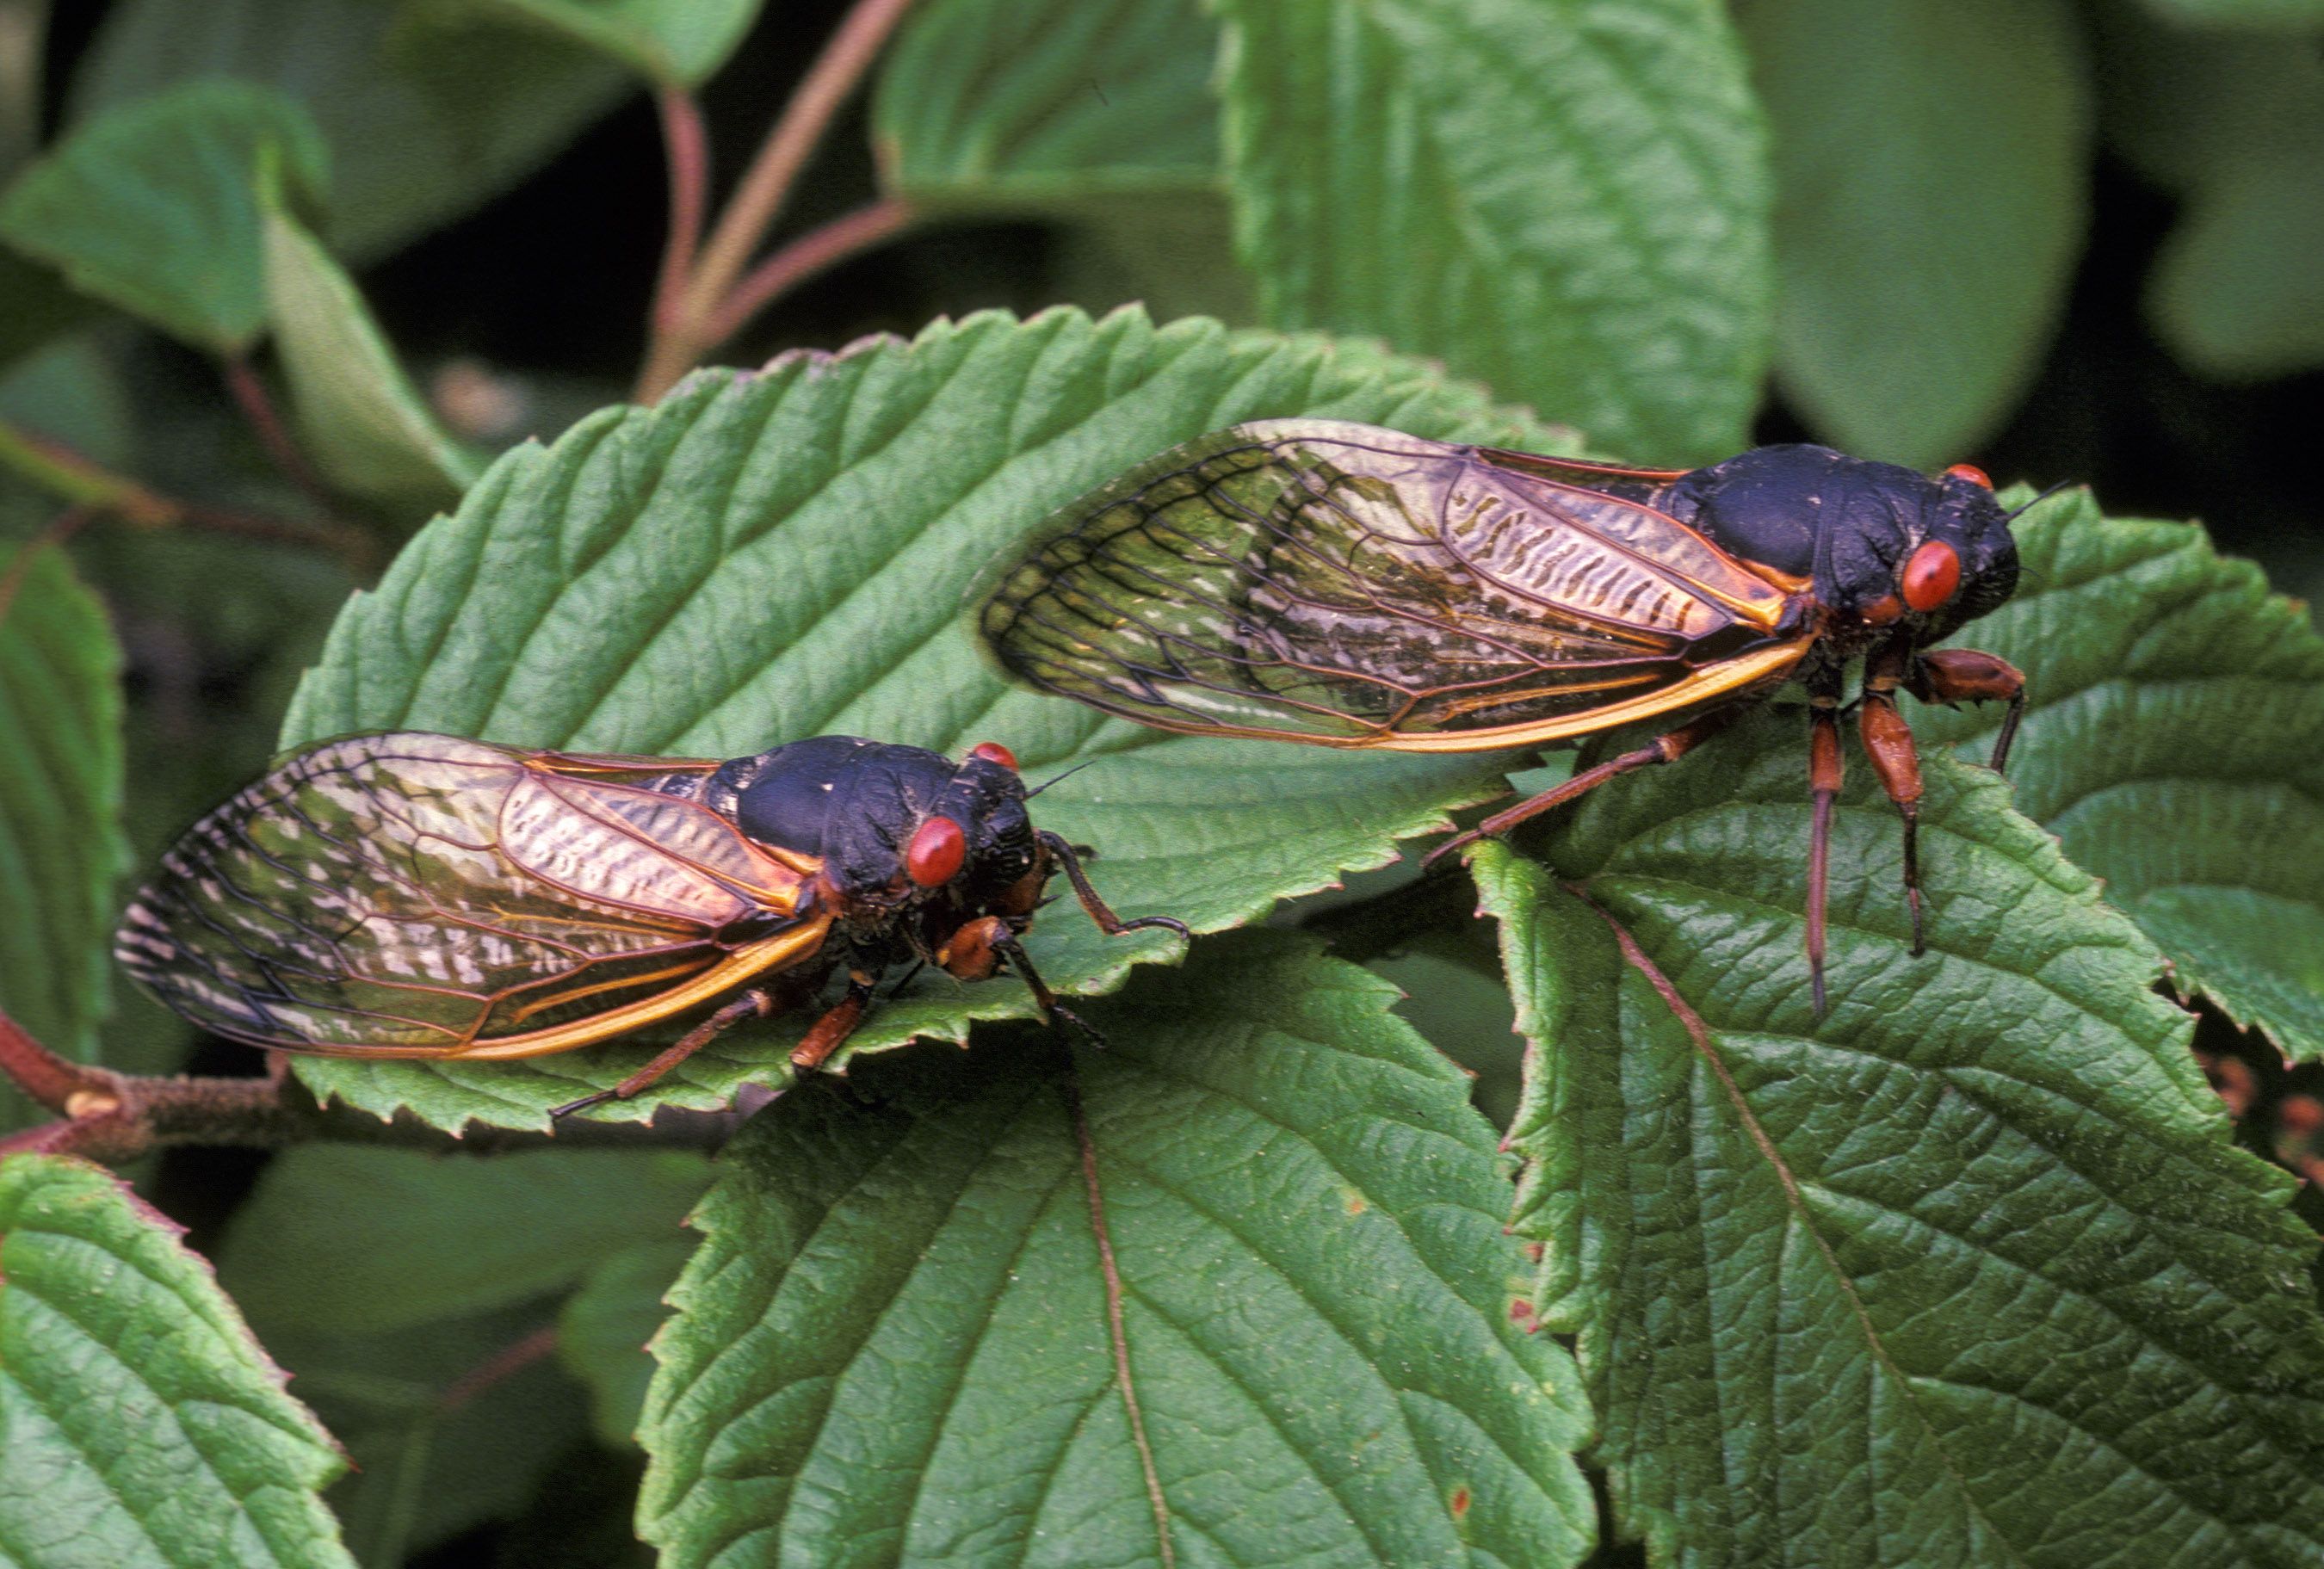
1886,553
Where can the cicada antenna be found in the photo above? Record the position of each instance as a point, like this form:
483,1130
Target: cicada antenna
2037,501
1057,778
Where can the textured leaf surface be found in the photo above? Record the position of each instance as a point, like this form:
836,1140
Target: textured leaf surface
998,103
60,841
769,556
894,1345
1568,201
2174,743
1096,115
360,418
675,43
424,122
1930,158
354,1240
1967,1271
142,1422
153,206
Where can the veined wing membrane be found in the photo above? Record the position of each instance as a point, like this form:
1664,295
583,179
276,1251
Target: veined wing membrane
365,896
1313,581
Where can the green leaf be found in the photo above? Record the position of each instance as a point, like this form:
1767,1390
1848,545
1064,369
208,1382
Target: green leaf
153,206
1265,1198
60,780
1969,1270
1568,201
37,307
1095,114
1000,104
424,123
2235,291
602,1332
415,1298
2174,743
785,553
2231,124
1931,163
1462,1010
352,1240
360,418
2289,16
672,44
141,1421
451,1424
1172,254
71,393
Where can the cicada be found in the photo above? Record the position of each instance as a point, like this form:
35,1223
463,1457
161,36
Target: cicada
1346,586
411,895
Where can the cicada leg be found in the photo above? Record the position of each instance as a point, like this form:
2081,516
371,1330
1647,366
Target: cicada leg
756,1004
1971,675
831,1032
1825,775
1889,742
1006,944
1110,924
1665,747
826,1036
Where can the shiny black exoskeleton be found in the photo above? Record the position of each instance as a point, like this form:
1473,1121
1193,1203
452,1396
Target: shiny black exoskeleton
857,805
1850,524
920,859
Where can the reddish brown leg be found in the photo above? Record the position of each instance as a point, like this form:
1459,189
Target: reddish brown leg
1110,924
755,1003
1889,742
1824,777
831,1032
1668,748
1969,676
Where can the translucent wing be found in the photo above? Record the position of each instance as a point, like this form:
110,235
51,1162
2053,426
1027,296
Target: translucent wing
1354,586
419,895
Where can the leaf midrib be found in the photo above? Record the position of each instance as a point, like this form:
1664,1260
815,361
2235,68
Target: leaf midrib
1700,1035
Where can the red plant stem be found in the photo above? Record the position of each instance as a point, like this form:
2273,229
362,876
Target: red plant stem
760,197
94,490
250,395
803,258
117,1117
498,1368
40,1073
687,147
679,344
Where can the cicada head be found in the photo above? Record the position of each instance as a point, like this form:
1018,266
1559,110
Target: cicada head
1882,547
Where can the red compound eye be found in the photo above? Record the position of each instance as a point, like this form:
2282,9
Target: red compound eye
1971,473
935,852
1931,573
993,751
